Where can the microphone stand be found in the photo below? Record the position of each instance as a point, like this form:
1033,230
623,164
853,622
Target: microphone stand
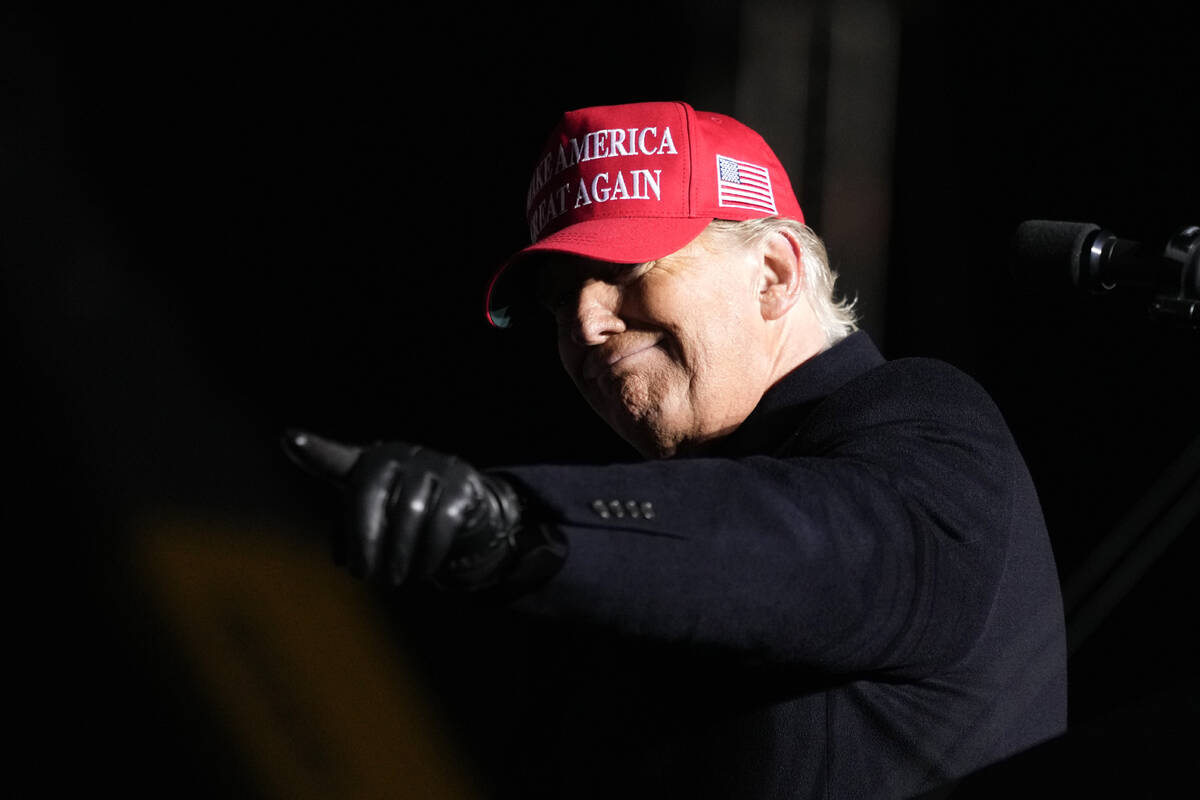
1133,546
1172,504
1181,256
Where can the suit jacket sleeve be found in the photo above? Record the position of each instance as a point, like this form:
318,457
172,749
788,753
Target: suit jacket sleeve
872,541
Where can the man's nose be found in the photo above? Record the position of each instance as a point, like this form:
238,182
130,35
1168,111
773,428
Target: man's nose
596,316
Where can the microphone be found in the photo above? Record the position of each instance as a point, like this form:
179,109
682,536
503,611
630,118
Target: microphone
1086,257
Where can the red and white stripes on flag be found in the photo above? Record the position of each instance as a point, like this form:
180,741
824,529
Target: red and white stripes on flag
743,185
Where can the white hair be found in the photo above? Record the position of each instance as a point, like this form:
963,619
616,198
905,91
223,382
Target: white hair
836,316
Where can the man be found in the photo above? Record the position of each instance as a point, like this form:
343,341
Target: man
831,577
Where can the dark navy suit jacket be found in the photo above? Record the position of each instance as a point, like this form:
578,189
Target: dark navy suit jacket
854,598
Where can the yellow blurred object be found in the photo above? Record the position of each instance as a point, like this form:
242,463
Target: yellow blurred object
298,664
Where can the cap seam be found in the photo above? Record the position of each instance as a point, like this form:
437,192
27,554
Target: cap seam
690,179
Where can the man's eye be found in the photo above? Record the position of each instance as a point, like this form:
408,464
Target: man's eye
626,274
555,298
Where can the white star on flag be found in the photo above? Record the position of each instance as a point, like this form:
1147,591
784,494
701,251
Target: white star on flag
744,185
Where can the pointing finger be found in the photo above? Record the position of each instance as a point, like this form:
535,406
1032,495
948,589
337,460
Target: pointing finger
324,458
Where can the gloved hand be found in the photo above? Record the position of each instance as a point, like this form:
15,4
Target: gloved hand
416,514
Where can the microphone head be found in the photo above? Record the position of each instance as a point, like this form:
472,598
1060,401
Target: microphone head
1045,252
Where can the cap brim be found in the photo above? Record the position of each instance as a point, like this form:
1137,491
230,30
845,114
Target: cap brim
632,240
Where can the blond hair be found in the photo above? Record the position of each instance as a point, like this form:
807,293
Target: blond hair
835,315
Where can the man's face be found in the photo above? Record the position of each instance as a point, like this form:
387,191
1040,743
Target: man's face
672,353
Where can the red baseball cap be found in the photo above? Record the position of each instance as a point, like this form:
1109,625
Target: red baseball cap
636,182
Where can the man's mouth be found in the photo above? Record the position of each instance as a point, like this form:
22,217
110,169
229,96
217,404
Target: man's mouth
603,361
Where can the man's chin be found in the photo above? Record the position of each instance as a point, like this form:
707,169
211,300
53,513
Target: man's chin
650,443
642,428
652,452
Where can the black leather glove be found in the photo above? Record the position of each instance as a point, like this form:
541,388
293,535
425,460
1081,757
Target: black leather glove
416,514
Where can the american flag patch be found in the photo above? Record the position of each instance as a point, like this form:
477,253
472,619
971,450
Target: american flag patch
742,185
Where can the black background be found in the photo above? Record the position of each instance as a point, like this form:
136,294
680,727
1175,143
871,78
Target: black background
224,221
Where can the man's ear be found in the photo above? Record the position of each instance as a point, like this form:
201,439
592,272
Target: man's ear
782,274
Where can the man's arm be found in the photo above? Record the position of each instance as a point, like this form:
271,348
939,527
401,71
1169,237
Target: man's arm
874,543
880,549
